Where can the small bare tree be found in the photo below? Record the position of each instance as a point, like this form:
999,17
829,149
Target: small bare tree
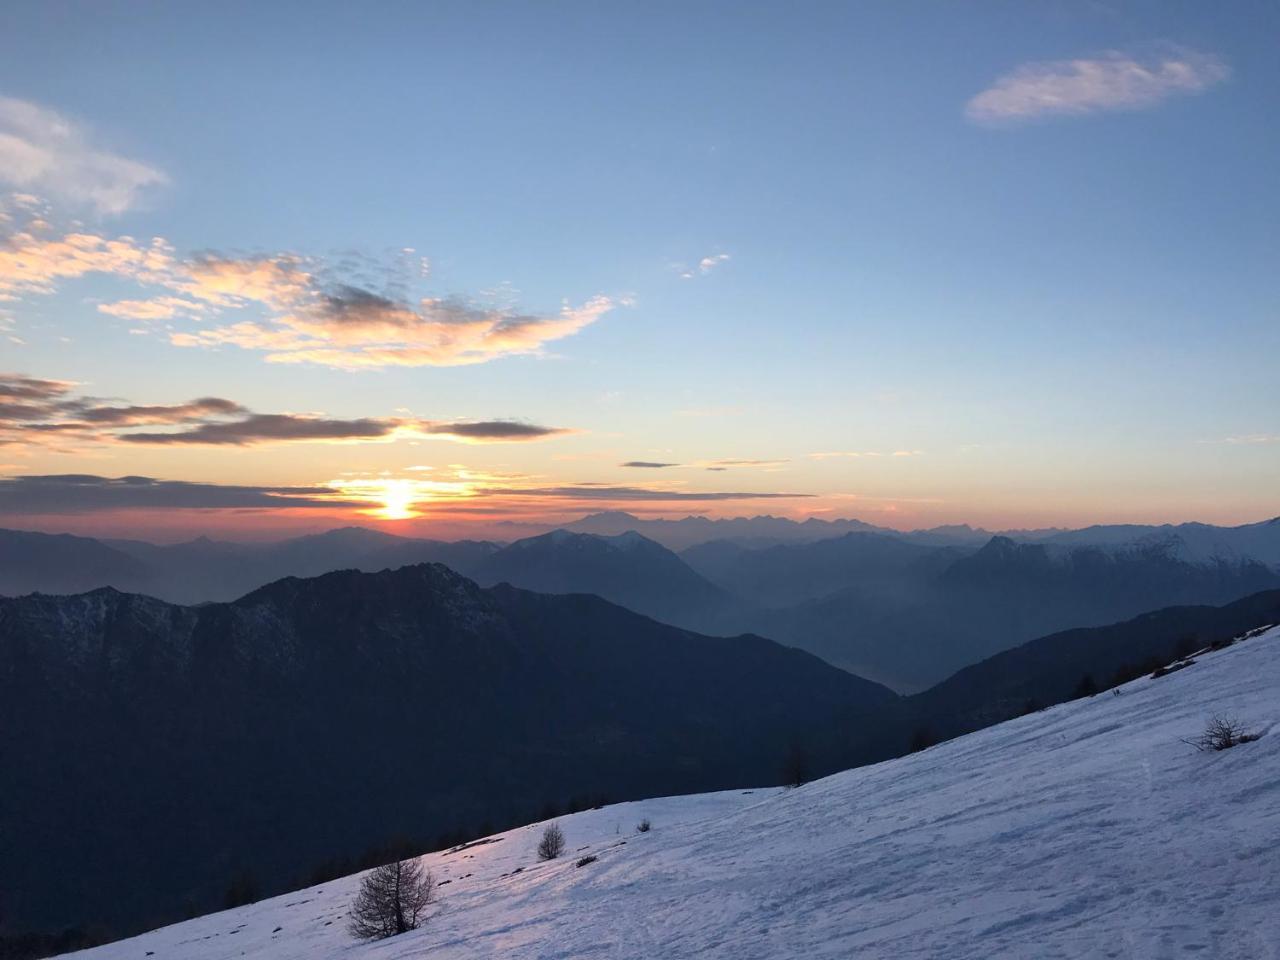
552,843
1222,733
392,899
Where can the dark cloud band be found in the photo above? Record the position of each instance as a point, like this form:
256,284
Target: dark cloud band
85,493
30,407
604,492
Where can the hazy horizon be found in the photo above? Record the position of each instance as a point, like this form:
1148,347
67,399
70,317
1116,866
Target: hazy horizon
126,526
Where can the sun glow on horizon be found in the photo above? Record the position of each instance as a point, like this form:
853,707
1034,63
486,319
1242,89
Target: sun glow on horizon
398,500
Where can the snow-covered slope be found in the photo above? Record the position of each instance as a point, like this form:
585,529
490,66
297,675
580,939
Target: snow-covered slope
1087,830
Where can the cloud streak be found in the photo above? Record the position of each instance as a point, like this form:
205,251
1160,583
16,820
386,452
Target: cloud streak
482,431
1251,439
283,428
43,151
356,329
590,491
33,410
855,454
86,493
1113,81
62,494
725,464
705,266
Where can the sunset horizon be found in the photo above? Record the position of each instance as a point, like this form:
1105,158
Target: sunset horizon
174,308
269,524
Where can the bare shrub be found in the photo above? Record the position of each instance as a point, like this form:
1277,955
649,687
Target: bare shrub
1222,733
393,898
644,826
552,843
589,858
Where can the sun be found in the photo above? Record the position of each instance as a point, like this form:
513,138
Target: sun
398,498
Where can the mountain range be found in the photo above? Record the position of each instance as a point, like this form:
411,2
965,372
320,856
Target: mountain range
158,755
915,624
1260,541
203,570
902,610
314,719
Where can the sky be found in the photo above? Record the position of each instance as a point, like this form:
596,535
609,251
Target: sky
273,267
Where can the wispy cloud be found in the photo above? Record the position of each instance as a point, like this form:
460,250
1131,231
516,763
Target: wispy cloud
159,308
854,454
703,267
725,464
621,494
129,416
51,411
43,151
292,309
1114,80
1249,439
350,327
716,465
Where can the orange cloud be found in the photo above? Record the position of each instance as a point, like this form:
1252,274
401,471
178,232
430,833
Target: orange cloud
304,317
278,282
159,308
383,334
34,264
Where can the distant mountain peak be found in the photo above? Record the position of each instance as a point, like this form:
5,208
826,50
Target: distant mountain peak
1001,545
627,540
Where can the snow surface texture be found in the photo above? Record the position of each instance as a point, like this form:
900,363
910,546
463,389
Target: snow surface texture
1086,830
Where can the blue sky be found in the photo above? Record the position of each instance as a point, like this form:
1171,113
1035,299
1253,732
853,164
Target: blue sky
1030,248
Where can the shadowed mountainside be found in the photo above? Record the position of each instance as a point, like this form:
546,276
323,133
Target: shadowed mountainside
314,719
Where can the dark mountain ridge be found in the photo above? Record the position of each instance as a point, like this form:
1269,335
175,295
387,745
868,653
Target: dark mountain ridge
202,570
629,569
62,563
315,718
1066,665
898,610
